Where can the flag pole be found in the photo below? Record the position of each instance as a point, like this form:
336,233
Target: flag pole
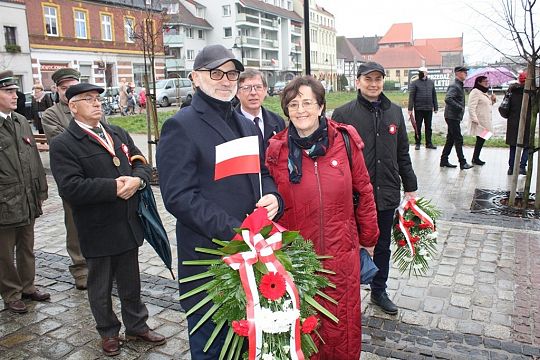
260,184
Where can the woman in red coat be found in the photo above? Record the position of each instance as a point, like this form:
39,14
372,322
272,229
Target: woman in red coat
310,166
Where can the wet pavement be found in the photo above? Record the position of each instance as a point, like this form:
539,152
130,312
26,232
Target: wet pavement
480,299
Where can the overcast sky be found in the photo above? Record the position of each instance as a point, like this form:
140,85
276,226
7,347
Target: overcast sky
430,18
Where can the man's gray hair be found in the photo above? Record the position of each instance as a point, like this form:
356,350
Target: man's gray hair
250,74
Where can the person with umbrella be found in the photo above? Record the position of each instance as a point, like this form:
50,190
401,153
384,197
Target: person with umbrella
480,115
98,173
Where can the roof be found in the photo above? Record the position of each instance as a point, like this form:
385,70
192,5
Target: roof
193,2
431,56
365,45
442,44
403,57
323,10
346,50
271,9
185,17
140,4
398,34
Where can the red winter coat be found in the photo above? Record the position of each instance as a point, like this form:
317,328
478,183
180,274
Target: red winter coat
321,208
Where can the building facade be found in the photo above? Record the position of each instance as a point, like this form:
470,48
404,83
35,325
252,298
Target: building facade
102,39
14,47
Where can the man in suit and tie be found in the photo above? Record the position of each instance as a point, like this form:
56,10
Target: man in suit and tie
99,170
206,208
252,90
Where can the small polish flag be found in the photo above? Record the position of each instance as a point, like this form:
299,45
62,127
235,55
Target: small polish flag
484,133
240,156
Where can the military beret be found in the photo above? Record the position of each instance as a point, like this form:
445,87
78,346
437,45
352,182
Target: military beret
7,81
82,88
64,74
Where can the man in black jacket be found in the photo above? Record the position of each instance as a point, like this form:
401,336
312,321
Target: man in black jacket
453,114
98,171
423,99
252,89
381,125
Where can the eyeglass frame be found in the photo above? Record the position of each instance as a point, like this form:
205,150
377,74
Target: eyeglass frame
223,73
249,88
87,99
306,105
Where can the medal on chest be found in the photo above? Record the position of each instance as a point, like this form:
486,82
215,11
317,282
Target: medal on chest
392,129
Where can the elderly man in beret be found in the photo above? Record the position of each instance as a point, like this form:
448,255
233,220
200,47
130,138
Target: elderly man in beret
99,170
23,188
55,120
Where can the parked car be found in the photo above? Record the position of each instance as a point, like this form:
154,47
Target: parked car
170,91
277,88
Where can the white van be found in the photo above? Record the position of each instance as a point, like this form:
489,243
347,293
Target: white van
170,91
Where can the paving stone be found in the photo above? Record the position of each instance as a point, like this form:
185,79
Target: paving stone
446,270
480,314
460,301
442,280
457,312
470,327
439,292
497,331
489,257
433,305
506,295
404,302
81,338
16,338
44,326
410,317
465,279
83,354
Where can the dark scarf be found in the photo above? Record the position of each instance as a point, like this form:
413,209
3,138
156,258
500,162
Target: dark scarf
316,144
481,88
223,108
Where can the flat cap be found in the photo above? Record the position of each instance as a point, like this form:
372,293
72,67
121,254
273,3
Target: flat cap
64,74
213,56
82,88
370,67
7,81
461,68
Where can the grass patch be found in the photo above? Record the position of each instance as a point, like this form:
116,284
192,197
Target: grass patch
137,123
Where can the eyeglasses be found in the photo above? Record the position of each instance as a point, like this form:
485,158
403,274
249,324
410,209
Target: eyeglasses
216,74
250,88
89,99
306,104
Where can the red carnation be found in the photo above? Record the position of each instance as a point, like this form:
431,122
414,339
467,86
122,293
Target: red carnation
398,228
309,324
409,223
272,286
424,226
241,327
402,243
415,239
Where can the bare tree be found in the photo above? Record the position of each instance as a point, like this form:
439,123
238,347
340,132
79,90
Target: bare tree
514,21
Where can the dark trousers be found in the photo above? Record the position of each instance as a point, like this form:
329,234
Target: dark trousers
381,255
198,340
453,138
522,161
478,147
423,116
124,268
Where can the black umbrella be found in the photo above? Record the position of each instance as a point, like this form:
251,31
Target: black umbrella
154,232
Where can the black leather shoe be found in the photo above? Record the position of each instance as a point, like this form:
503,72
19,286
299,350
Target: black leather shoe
430,146
478,162
447,164
522,171
417,147
510,171
465,166
383,301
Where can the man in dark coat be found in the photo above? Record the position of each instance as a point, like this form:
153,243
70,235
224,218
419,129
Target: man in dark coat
206,208
95,168
252,89
453,114
423,99
23,188
381,126
514,113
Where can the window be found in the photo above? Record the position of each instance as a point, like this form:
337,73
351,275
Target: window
398,72
129,26
190,54
226,10
106,27
10,35
200,12
51,20
80,24
189,33
227,32
405,72
200,34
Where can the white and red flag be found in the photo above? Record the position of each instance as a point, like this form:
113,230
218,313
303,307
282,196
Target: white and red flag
239,156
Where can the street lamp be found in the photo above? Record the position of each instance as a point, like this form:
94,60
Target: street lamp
235,46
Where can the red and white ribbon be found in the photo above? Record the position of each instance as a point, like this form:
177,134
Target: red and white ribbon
262,249
410,204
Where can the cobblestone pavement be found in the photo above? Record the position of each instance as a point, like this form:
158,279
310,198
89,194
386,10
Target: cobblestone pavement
480,299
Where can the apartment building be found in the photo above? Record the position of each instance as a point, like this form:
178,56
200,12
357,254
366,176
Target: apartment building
14,48
99,38
266,35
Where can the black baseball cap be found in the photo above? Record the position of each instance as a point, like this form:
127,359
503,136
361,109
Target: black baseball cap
213,56
369,67
82,88
461,68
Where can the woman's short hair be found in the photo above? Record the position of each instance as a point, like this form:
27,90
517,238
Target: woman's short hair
37,86
292,89
479,79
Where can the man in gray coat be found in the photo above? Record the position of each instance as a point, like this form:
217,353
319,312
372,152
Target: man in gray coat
423,99
23,188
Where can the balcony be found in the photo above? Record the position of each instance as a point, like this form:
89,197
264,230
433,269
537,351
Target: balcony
173,40
297,30
269,43
245,19
175,64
